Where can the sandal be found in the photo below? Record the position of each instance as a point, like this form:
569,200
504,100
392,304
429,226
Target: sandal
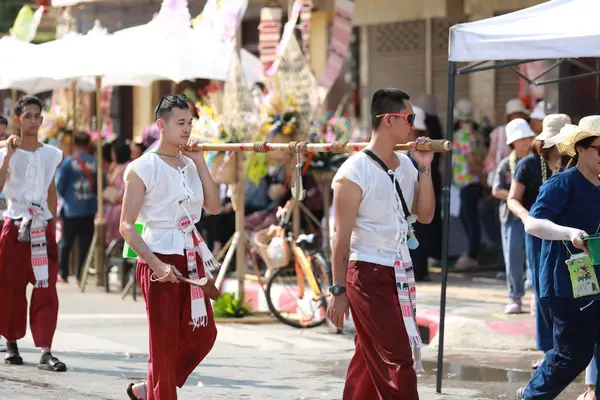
129,392
132,395
12,355
520,395
50,363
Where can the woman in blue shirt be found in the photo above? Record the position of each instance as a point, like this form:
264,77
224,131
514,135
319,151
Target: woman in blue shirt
567,210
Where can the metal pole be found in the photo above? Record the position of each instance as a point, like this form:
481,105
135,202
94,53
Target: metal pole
446,224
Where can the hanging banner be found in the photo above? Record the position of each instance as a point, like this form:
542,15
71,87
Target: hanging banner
269,33
288,32
340,42
305,16
26,24
222,18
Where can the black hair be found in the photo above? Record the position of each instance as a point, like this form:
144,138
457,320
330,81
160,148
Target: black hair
260,85
3,120
584,143
168,103
386,101
82,139
122,150
25,101
140,146
106,152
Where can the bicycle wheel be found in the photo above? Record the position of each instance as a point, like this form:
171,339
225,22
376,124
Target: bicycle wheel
284,301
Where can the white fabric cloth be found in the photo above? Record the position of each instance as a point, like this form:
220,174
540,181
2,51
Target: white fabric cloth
166,187
376,211
553,29
30,174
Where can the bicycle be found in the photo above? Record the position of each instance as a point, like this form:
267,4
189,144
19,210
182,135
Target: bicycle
307,265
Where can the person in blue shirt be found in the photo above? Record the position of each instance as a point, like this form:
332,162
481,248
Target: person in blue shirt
76,186
567,210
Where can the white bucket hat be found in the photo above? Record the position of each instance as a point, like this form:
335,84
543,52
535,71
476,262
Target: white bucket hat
552,125
588,127
565,132
539,112
419,119
514,106
518,129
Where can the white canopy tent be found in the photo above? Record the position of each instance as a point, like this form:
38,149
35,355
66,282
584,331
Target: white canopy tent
557,29
18,70
166,48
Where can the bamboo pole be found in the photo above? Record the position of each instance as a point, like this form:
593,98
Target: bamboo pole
438,146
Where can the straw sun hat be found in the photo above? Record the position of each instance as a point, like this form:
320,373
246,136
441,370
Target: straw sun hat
588,127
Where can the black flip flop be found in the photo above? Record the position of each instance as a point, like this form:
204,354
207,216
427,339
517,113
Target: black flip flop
129,392
50,363
13,359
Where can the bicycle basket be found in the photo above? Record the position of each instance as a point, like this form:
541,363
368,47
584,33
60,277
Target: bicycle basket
273,247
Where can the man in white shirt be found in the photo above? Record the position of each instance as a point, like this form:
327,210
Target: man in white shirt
372,271
166,189
28,249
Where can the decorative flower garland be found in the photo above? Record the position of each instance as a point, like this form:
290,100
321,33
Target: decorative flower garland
512,159
545,168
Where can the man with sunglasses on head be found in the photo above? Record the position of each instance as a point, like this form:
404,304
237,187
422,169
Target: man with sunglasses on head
28,249
166,190
378,195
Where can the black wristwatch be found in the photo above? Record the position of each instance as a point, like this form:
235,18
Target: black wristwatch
336,290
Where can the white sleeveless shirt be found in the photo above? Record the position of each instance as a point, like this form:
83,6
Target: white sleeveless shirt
29,176
376,228
171,193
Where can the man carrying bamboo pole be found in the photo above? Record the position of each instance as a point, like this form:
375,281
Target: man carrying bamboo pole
372,270
28,250
166,189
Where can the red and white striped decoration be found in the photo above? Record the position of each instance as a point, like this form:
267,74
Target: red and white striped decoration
340,42
269,34
305,16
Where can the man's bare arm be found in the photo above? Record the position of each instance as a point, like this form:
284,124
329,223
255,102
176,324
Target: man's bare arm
52,199
132,202
212,201
424,201
346,200
4,172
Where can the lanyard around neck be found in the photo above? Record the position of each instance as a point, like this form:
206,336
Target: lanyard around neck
391,175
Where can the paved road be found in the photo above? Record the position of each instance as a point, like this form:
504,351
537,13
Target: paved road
104,342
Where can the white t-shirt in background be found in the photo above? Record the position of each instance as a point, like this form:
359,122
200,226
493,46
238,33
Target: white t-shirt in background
376,211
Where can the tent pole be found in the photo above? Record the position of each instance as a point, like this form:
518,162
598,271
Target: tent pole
446,224
597,87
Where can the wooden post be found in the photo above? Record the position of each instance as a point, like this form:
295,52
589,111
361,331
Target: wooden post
99,223
240,252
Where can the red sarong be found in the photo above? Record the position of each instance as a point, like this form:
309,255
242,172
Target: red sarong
15,274
382,366
176,348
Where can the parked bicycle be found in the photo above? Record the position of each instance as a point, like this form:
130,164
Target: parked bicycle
296,291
